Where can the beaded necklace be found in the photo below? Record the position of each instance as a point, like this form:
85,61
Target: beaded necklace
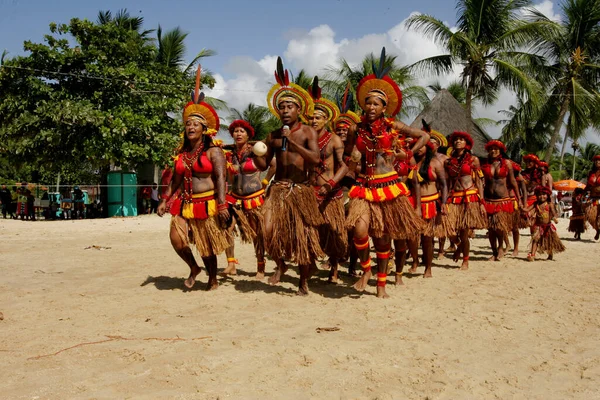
188,158
372,135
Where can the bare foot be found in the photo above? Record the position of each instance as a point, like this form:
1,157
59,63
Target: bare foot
465,265
352,271
530,257
230,270
413,269
212,285
302,290
326,265
259,276
427,273
381,292
276,277
398,280
440,255
501,254
362,282
550,257
189,282
493,258
515,252
333,276
597,235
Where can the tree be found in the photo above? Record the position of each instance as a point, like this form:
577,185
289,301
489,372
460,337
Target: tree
92,95
487,45
414,98
573,47
259,117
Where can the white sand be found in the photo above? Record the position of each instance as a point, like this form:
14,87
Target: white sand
505,330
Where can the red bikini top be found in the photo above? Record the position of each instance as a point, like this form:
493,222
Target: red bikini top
501,172
201,166
458,167
381,137
402,167
593,179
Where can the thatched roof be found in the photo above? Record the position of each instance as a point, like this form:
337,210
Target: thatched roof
446,115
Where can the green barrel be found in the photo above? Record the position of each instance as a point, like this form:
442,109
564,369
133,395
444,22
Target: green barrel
122,194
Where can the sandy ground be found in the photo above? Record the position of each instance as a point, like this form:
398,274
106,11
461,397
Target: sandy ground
507,329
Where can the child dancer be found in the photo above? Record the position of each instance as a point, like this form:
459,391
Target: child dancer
577,222
544,238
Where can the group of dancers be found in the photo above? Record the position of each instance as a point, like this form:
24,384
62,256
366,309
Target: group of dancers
337,182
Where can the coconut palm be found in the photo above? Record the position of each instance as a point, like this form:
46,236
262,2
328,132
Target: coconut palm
486,46
336,79
124,20
573,47
259,117
172,50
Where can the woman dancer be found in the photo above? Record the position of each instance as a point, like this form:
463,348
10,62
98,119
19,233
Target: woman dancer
379,206
465,207
248,195
499,205
432,180
200,212
577,222
593,187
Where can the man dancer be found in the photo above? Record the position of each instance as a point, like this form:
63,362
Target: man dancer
328,174
291,223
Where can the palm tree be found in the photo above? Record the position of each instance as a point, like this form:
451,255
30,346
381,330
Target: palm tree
486,45
124,20
414,98
573,46
259,117
172,49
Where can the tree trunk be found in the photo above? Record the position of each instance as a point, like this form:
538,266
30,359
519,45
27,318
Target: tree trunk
557,126
574,162
564,146
469,100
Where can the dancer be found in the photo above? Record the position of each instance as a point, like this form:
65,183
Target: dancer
327,177
465,207
500,207
440,143
248,196
517,220
432,180
405,169
533,178
379,206
343,123
547,179
593,188
577,222
544,238
291,223
200,211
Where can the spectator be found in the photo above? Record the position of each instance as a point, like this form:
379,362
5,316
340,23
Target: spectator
6,199
78,202
14,201
154,198
146,196
30,205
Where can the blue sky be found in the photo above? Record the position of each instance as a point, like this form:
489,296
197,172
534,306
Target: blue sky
248,35
232,28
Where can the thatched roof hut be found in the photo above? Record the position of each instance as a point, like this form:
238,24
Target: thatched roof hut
446,115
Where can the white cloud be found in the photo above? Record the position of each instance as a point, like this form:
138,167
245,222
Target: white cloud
316,49
546,7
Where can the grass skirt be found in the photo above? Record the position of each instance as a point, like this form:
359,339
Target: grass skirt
244,229
501,214
395,217
207,235
577,224
591,213
333,235
547,239
294,221
470,215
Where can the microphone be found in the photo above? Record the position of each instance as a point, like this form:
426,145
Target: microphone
284,139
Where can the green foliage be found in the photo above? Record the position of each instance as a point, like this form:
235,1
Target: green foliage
259,117
91,96
490,45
